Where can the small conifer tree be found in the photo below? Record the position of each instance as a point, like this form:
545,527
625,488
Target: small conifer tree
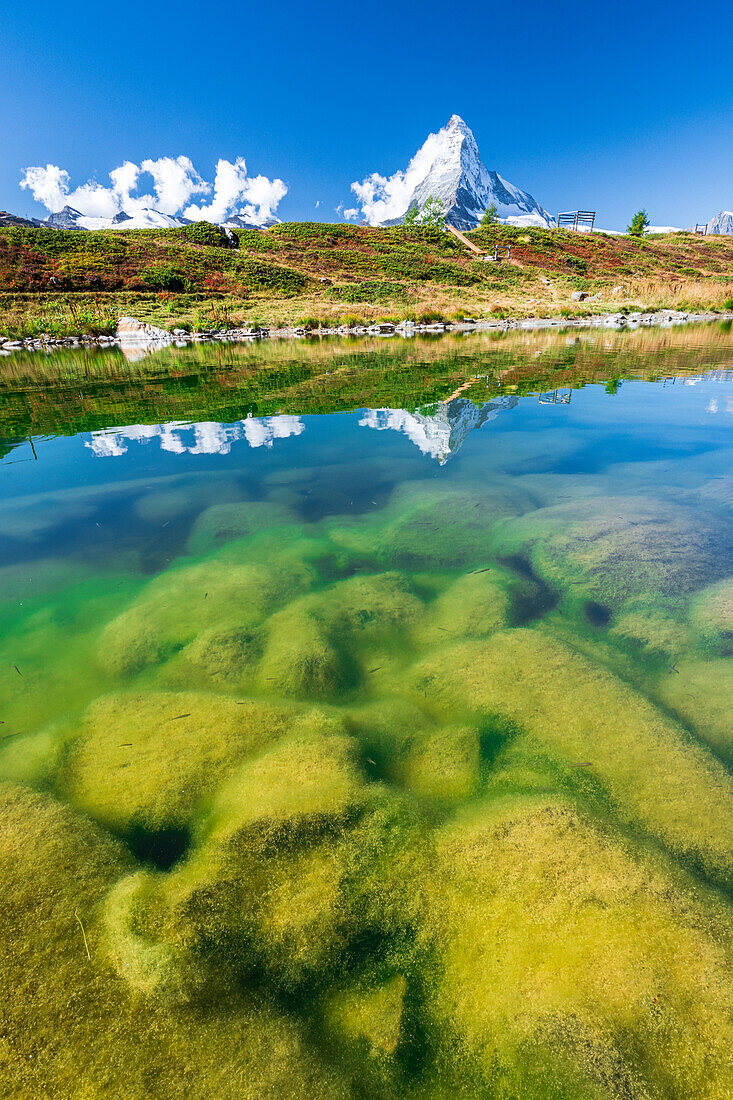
639,224
491,217
433,213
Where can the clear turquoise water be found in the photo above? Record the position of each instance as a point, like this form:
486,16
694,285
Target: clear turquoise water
384,752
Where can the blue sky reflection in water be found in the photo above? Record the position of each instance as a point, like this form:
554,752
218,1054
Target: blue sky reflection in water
382,753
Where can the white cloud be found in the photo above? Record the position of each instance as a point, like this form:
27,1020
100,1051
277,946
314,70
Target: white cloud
351,214
49,185
383,198
174,183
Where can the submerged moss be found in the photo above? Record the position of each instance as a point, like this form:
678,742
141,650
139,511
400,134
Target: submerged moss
369,1014
174,608
223,523
71,1025
647,763
148,758
411,532
562,949
711,618
610,549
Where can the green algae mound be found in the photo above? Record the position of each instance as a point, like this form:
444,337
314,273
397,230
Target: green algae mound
655,774
411,532
711,619
612,548
700,692
147,758
223,523
566,960
276,880
174,607
70,1024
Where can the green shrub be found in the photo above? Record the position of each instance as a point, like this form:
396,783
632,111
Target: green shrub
575,263
206,233
639,224
164,277
259,275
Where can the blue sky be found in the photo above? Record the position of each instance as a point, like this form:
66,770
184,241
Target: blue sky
610,107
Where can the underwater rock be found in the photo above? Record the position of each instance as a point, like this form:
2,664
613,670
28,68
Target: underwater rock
649,627
567,959
317,644
171,498
151,966
178,605
223,523
32,759
216,657
70,1024
711,618
312,776
658,778
146,758
411,532
263,885
297,857
700,692
366,608
444,766
49,575
477,604
615,548
300,659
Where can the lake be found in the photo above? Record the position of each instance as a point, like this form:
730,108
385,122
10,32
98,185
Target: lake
365,723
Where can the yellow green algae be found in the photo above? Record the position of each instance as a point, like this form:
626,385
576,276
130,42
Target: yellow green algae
433,801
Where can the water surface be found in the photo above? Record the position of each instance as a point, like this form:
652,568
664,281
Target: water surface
365,719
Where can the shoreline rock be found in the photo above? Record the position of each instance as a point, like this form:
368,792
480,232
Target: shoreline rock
136,338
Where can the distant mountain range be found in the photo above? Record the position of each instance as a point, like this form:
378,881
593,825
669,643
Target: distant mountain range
69,218
447,167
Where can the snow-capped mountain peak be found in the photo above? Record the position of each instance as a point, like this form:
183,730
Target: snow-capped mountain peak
448,166
144,218
68,218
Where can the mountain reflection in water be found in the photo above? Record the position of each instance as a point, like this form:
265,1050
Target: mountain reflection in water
208,438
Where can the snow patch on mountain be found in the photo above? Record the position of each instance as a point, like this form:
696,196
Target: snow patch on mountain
721,223
144,218
448,167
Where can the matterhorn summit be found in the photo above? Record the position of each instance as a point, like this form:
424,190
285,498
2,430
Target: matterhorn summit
448,167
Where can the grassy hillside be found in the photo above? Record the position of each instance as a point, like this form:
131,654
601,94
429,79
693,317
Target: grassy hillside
309,273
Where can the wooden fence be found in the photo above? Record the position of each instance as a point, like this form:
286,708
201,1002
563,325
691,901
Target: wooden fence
577,220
